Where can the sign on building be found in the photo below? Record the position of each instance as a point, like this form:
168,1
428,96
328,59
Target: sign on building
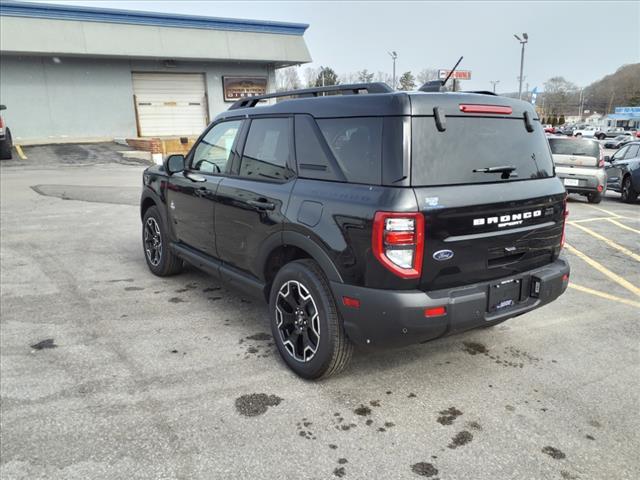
236,88
458,74
628,110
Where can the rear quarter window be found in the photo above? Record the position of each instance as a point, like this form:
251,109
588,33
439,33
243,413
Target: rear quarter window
471,143
356,144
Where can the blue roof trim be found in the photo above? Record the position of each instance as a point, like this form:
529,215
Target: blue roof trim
92,14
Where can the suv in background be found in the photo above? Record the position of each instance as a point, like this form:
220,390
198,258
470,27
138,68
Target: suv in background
378,219
623,172
6,143
580,166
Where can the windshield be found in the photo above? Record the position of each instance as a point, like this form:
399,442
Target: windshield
575,147
469,146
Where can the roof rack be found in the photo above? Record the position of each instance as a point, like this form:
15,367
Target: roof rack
349,89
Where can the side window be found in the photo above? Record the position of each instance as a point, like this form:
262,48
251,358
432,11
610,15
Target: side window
619,155
633,152
356,143
312,154
267,150
213,153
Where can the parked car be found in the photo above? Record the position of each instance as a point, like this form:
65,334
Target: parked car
617,142
549,128
587,132
609,132
580,165
623,172
6,142
566,130
383,219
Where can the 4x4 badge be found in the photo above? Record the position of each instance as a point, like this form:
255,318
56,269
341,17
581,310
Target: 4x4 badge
442,255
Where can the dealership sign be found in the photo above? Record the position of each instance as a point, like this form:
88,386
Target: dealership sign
631,110
236,88
458,74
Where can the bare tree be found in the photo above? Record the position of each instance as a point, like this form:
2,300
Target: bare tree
349,78
287,79
384,77
310,76
559,95
364,76
426,75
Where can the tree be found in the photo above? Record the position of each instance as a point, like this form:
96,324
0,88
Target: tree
384,78
364,76
426,75
560,95
327,77
287,79
561,121
310,75
407,81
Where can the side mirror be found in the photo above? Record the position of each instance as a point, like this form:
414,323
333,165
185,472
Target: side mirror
607,159
174,164
2,107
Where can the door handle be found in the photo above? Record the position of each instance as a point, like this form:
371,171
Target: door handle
194,177
262,204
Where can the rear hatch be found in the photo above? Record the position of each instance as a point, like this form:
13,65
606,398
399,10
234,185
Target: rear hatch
575,152
483,225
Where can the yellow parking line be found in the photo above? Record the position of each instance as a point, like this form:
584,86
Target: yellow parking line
594,219
622,225
620,248
608,212
20,152
605,271
597,293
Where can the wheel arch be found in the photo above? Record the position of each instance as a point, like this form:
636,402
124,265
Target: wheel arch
293,246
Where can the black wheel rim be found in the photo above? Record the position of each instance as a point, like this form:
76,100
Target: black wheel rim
153,241
297,321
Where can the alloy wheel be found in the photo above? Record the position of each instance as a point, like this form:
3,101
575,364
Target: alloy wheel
153,241
298,321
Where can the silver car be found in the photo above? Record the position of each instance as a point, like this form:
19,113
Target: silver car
580,165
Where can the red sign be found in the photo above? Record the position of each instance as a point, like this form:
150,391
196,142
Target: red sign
458,74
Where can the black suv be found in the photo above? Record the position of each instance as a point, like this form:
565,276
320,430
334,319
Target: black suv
366,216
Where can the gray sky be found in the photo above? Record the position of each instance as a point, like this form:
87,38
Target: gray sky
580,40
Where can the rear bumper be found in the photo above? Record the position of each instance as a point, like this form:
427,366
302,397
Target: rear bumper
396,317
588,181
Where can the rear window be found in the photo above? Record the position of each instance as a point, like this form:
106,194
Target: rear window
575,147
468,144
356,144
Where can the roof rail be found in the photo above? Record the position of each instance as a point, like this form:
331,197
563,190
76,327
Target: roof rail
348,89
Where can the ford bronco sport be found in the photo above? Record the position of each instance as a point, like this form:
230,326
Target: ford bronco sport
366,216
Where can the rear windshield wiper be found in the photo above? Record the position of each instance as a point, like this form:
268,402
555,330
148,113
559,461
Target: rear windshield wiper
504,169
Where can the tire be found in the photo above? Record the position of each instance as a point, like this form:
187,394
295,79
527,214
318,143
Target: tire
313,344
6,147
629,194
578,135
160,259
601,137
594,197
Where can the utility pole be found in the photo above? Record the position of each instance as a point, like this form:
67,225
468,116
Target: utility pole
494,83
581,103
523,43
394,56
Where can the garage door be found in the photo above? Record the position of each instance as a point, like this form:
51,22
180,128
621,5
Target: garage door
170,104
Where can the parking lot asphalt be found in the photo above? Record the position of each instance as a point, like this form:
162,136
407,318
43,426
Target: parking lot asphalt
110,372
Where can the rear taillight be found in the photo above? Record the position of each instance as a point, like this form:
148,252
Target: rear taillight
398,242
565,214
601,162
1,122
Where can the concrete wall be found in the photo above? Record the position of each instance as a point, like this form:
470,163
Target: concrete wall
90,99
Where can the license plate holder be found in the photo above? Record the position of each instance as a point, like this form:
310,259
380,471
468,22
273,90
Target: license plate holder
503,295
571,182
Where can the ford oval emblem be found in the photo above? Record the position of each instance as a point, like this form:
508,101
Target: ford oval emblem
442,255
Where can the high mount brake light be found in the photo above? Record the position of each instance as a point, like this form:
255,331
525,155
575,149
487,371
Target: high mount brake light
495,109
398,242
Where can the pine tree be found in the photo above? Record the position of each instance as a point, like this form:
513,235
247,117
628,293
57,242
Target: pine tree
327,77
407,81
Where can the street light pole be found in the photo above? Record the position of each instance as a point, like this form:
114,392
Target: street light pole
523,41
494,83
394,56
